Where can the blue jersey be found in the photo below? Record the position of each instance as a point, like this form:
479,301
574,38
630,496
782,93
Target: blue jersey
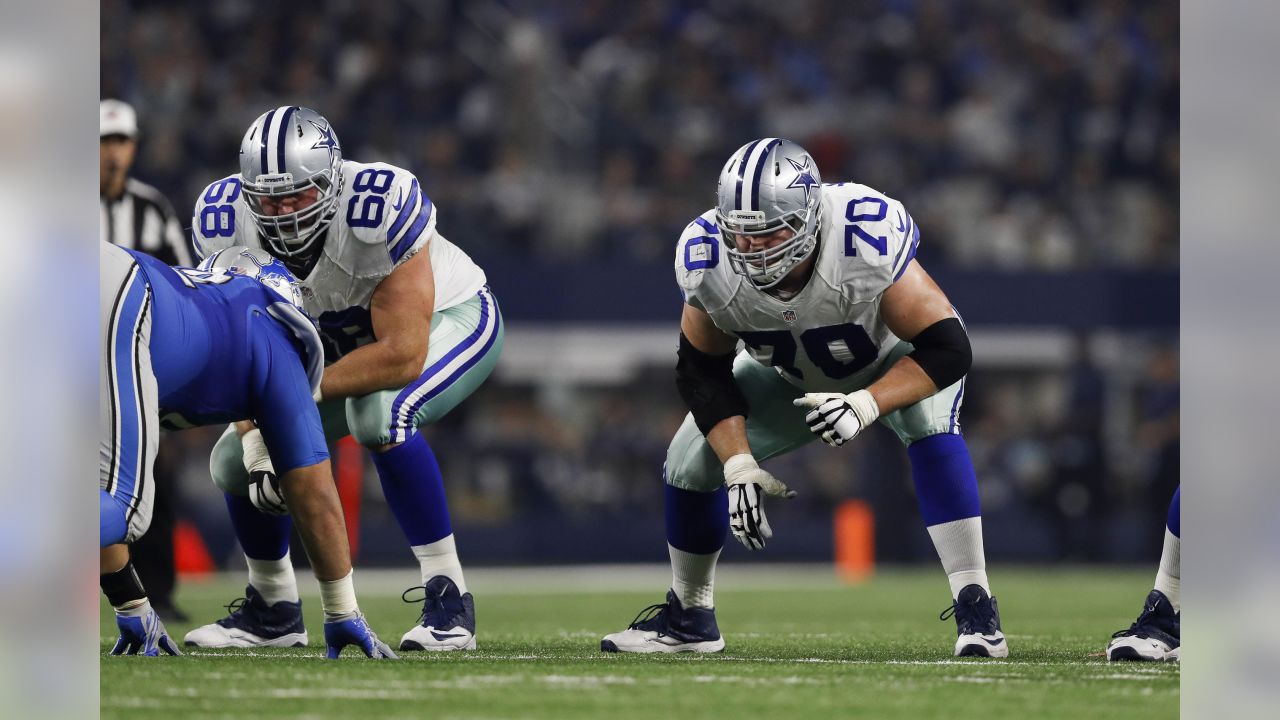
219,354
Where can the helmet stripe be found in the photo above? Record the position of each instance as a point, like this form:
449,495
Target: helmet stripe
760,163
282,134
742,172
262,140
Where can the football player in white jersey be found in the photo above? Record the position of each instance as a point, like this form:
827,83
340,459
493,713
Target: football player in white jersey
842,327
410,330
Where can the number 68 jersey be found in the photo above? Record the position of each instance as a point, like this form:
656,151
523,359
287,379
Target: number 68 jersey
829,337
383,219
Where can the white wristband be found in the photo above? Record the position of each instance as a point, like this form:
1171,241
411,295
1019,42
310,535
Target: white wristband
864,406
739,465
256,458
338,597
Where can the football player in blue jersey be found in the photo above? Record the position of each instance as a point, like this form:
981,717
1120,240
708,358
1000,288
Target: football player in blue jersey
410,330
1157,633
842,327
182,348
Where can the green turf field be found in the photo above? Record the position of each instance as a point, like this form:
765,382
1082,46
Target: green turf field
800,644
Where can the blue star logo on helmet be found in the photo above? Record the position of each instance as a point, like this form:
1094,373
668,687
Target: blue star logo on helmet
327,140
804,178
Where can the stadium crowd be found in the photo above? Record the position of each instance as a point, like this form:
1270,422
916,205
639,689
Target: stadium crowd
1039,134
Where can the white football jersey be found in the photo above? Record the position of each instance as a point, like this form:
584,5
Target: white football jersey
383,219
829,337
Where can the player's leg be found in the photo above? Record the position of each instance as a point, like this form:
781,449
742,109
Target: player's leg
270,613
947,492
697,516
462,351
1156,634
128,427
128,407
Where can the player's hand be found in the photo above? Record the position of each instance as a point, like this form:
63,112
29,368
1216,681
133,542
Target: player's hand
264,485
143,635
265,493
836,418
355,631
748,483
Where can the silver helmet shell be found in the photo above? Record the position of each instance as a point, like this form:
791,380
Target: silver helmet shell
286,151
768,185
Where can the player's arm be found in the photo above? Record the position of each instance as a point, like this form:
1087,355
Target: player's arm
291,431
401,310
704,376
916,309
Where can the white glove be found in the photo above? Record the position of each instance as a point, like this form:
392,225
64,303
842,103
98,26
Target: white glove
264,486
748,483
837,418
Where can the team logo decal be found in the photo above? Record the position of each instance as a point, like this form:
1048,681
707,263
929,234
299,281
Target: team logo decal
789,316
804,179
327,140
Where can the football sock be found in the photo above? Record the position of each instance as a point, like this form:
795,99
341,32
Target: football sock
338,598
124,591
440,558
693,577
261,536
414,489
697,524
959,546
1168,577
274,579
947,492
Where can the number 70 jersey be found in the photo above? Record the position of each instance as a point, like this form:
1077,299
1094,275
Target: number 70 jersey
829,337
383,218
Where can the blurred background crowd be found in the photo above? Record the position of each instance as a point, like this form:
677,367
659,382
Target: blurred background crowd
1035,138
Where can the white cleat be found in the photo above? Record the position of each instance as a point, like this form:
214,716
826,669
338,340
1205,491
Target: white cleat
978,631
1153,637
253,623
448,620
668,628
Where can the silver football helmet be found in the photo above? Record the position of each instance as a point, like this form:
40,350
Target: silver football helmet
286,152
768,185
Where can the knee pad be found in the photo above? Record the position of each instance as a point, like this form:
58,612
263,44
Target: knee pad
112,527
369,419
226,464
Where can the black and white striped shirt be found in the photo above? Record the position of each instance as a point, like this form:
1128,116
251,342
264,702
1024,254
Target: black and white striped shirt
142,219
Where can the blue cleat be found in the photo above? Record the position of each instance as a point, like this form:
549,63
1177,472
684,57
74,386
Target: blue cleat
253,623
978,631
1154,636
355,631
668,628
448,620
143,635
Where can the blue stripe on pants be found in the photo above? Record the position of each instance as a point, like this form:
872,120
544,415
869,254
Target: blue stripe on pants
128,431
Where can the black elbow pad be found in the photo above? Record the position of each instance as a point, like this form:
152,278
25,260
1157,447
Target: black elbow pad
942,350
706,384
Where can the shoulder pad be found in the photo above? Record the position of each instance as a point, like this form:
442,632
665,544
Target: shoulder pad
220,217
385,205
697,252
875,237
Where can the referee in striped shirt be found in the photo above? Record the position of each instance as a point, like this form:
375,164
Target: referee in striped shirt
138,216
134,214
